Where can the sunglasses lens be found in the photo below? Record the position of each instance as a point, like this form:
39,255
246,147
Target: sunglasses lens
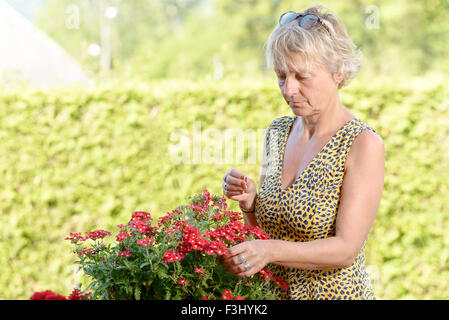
308,21
287,17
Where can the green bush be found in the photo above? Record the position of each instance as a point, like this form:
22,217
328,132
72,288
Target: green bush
82,159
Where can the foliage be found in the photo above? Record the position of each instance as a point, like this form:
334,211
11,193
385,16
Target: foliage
78,158
177,259
202,38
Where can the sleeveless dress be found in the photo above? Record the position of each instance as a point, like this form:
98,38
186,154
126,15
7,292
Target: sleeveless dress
306,210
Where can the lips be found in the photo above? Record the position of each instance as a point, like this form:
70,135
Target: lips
293,101
296,103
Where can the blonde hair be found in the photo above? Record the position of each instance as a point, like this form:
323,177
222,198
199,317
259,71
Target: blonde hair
328,41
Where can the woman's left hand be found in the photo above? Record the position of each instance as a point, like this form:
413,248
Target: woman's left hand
252,254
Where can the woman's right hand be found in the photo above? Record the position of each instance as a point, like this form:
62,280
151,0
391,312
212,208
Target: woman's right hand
238,187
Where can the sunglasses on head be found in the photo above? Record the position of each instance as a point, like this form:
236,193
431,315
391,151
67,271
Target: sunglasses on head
305,21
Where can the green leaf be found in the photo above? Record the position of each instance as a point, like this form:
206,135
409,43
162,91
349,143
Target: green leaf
144,264
137,293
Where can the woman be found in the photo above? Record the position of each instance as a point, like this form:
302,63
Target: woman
323,169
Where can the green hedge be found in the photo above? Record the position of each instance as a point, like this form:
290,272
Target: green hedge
79,159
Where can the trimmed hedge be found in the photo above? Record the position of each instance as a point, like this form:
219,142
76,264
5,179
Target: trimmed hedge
78,159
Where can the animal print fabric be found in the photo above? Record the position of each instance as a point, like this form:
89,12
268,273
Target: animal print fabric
307,210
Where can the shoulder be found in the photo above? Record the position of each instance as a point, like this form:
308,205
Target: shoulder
279,122
368,147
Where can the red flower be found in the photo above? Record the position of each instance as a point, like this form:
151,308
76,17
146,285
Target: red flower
223,204
97,234
75,238
217,216
55,297
88,252
76,295
227,295
182,282
122,235
234,216
170,256
146,242
207,199
141,221
267,275
47,295
167,218
198,270
169,231
125,253
198,208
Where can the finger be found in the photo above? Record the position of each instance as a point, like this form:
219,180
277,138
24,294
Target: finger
235,183
237,270
236,196
233,193
238,260
253,269
233,176
233,172
241,272
232,187
228,261
232,261
236,250
244,274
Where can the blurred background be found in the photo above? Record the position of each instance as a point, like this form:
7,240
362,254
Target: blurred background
96,97
198,39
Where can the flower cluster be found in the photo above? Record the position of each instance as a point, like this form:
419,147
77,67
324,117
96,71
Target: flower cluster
227,295
175,258
50,295
193,239
97,234
170,256
77,238
77,295
146,242
267,275
125,254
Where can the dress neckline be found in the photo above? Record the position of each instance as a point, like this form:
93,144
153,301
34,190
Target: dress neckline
307,168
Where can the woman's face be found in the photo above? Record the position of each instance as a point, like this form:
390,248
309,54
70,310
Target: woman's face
308,93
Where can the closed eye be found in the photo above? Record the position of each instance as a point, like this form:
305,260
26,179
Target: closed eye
299,77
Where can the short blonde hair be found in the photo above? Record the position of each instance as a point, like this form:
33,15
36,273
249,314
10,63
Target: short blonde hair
328,41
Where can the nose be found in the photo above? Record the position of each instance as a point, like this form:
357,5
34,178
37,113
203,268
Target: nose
291,86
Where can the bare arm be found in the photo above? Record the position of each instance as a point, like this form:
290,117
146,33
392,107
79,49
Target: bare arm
250,218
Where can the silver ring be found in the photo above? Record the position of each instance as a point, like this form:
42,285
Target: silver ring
242,258
246,265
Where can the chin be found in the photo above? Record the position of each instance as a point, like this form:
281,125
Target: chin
300,112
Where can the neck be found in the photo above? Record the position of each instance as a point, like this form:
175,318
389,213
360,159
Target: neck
329,120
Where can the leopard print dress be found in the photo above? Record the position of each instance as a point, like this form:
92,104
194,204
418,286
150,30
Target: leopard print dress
306,210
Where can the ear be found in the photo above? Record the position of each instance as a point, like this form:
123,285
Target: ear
338,77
